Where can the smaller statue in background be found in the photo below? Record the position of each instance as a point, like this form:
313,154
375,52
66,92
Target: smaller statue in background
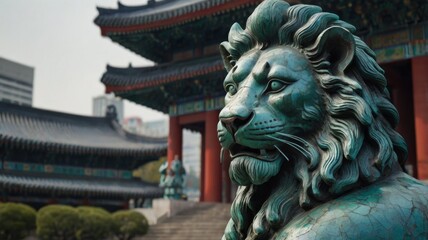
172,179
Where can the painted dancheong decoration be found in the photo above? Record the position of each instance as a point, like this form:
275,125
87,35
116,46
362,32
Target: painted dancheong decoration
309,126
173,179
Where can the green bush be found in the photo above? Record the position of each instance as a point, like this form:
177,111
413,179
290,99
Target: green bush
129,224
62,222
96,223
16,221
57,222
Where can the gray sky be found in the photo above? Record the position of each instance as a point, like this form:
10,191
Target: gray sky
59,39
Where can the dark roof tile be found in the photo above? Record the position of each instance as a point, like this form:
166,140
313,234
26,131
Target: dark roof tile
36,128
162,73
79,187
161,10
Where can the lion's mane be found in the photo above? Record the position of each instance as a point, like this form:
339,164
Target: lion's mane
357,144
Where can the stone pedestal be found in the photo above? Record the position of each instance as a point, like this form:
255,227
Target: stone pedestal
164,208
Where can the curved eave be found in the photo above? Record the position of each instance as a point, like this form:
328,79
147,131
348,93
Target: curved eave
111,24
78,187
58,147
118,83
35,129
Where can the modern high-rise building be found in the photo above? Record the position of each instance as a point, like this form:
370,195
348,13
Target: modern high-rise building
100,104
16,82
157,128
192,163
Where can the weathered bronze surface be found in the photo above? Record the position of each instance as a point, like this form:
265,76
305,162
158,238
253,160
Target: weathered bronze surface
309,126
172,179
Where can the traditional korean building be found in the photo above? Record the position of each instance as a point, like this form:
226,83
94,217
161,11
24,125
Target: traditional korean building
52,157
182,38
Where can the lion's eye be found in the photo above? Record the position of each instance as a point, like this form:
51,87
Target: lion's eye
231,89
275,86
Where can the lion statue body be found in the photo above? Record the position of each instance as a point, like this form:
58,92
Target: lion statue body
310,130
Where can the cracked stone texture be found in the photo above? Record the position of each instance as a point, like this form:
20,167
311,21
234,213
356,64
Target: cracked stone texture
395,208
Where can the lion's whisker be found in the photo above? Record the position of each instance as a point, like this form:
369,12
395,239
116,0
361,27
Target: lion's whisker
295,138
299,140
299,147
293,145
283,154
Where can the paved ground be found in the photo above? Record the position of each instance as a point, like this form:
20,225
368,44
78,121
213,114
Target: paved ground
205,221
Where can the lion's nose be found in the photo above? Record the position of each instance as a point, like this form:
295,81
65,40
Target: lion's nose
232,124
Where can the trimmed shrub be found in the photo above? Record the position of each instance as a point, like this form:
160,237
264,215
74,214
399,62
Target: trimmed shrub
57,222
16,221
129,224
96,223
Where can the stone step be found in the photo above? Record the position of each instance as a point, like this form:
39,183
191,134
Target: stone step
204,221
216,236
198,231
195,219
204,214
169,237
201,231
186,224
183,235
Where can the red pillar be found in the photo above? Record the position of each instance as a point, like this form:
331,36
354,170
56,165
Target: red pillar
175,139
420,101
400,82
212,167
202,175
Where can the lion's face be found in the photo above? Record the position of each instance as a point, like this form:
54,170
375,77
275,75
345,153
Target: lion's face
273,102
301,87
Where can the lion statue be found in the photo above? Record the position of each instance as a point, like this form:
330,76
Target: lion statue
309,126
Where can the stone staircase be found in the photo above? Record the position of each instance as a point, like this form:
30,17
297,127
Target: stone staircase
203,221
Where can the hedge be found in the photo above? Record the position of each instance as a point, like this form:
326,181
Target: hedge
16,221
58,222
61,222
96,223
129,224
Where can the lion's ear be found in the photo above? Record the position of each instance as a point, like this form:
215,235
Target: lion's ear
337,45
226,55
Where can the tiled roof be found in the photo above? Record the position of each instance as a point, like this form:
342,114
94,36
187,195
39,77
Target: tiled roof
382,14
32,128
163,13
99,188
125,79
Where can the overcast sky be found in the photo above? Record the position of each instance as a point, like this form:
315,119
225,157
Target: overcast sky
59,39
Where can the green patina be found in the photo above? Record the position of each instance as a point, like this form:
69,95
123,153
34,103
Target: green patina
309,126
172,179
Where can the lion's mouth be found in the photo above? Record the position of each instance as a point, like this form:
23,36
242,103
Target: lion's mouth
237,150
